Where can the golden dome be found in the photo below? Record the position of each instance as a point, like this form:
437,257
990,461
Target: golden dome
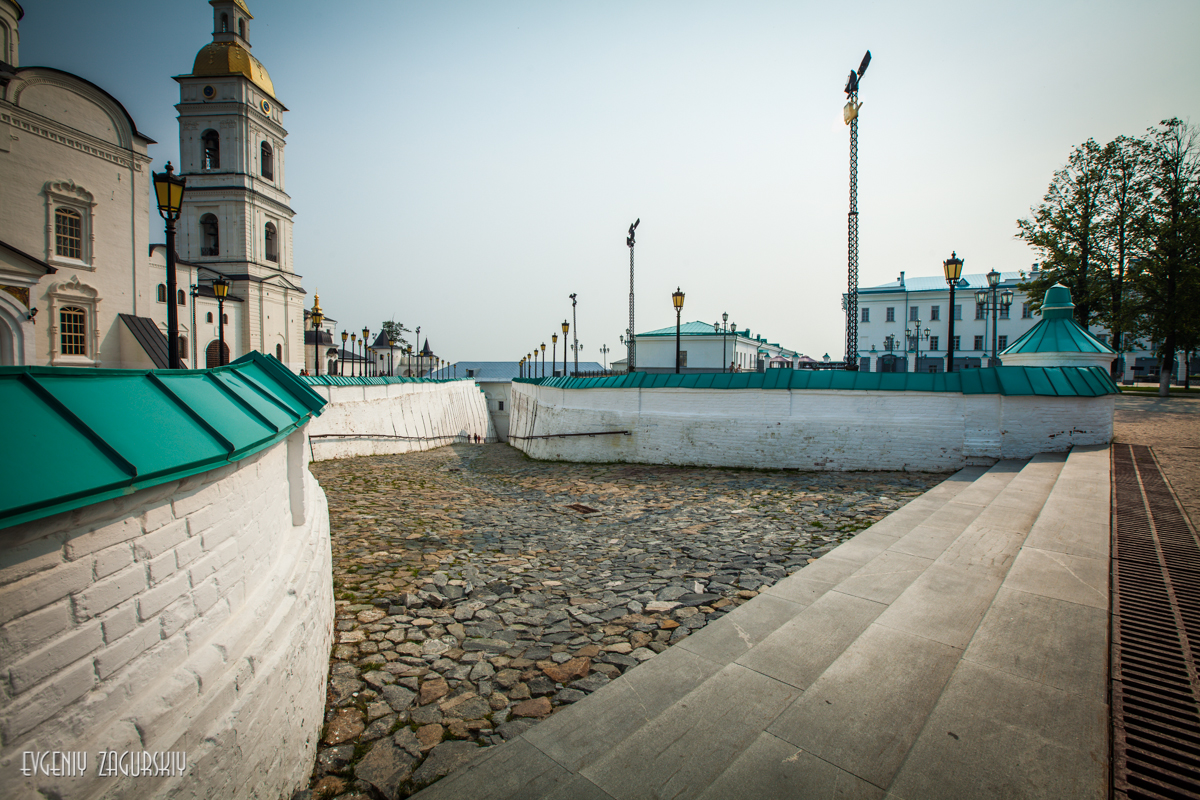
230,58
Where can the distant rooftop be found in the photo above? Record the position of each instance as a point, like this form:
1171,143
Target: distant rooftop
499,371
967,283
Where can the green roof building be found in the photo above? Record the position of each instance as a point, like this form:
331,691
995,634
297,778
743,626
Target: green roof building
1057,341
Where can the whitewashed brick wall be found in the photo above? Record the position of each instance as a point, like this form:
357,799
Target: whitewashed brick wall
195,616
428,415
801,429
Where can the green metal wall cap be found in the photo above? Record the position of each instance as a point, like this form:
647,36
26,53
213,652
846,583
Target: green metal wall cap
1012,381
87,435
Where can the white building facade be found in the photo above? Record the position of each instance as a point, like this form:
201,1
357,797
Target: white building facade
81,283
888,310
703,348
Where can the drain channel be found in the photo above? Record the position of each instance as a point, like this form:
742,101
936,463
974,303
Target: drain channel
1155,635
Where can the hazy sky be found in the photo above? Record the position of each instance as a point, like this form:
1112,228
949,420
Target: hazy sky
466,166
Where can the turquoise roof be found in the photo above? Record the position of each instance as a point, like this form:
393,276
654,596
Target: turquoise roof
685,329
966,283
1057,332
77,436
1013,381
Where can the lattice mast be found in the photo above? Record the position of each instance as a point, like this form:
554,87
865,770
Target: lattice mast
850,115
630,333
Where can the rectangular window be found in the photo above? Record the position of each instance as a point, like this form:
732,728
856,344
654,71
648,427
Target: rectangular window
979,311
913,313
935,313
866,315
891,314
978,343
72,331
933,343
68,233
958,343
1004,312
682,358
957,311
1026,311
1001,342
500,403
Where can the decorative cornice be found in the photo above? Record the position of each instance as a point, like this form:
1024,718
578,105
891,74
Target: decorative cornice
192,190
127,159
73,288
69,189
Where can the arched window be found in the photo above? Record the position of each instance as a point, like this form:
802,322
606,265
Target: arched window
266,162
242,28
225,318
68,233
272,243
208,317
279,352
183,347
213,353
182,297
211,158
210,234
224,23
162,293
72,326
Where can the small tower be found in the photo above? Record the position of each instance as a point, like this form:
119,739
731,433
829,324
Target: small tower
237,215
1057,341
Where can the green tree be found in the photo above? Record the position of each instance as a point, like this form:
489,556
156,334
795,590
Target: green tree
1169,279
395,331
1065,230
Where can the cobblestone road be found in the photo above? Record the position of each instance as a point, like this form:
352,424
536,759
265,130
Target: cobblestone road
473,600
1171,426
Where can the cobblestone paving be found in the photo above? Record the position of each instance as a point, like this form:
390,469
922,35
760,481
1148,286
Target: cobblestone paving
1171,426
473,601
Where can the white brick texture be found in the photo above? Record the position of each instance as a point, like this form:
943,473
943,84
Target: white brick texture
804,430
185,621
428,414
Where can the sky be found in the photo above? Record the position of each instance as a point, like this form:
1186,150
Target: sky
466,166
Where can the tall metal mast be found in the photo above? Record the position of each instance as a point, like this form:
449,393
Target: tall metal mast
850,115
629,241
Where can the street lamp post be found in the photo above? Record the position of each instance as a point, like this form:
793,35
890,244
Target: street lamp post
677,301
575,335
630,243
317,319
220,288
353,352
604,351
366,332
953,269
566,328
554,353
342,357
391,356
168,188
850,116
992,299
543,359
914,337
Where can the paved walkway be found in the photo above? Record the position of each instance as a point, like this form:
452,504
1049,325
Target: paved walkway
955,649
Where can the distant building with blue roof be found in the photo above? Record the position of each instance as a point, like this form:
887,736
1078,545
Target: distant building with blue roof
708,347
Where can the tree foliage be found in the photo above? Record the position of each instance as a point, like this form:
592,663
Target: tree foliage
394,331
1118,226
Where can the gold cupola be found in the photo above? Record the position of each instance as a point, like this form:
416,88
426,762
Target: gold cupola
229,52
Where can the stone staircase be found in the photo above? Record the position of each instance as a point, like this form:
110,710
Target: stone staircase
957,648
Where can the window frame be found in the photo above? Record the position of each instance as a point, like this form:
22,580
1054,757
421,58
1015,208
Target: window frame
271,234
935,313
206,163
266,161
866,314
979,344
890,314
160,293
68,196
210,234
67,294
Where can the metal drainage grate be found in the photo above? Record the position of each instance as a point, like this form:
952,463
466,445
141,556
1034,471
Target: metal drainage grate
1155,635
582,509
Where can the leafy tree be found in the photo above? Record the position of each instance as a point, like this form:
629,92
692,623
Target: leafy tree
1169,279
394,330
1066,229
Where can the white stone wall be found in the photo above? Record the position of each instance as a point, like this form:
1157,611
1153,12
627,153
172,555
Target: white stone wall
192,617
801,429
397,418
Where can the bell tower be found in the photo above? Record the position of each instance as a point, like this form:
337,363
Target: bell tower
237,215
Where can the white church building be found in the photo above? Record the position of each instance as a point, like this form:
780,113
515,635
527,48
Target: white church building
81,281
